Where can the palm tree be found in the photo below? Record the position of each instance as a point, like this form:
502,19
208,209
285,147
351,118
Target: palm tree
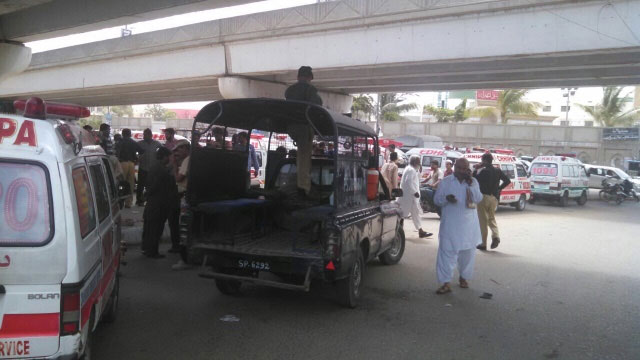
510,102
389,106
363,104
610,112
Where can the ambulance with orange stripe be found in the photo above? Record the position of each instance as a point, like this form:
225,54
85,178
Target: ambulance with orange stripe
518,192
59,233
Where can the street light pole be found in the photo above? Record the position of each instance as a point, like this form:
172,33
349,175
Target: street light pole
568,94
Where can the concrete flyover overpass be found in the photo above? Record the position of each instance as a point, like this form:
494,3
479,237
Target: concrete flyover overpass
354,46
30,20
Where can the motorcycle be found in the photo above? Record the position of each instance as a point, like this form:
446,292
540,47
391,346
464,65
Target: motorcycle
615,192
426,201
628,191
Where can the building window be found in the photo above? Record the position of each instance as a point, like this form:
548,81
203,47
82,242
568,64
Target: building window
546,108
565,109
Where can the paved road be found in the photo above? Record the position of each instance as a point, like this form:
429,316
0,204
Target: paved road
565,284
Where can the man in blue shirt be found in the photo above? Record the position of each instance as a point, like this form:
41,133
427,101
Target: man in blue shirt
242,140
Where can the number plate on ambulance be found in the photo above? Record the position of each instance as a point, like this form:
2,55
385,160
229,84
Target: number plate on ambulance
254,265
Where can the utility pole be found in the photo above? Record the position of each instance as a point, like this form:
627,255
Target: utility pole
569,92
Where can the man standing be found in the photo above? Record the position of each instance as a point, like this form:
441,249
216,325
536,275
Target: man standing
448,168
128,151
179,167
390,172
409,202
162,193
303,134
387,154
489,178
170,140
148,158
105,138
459,229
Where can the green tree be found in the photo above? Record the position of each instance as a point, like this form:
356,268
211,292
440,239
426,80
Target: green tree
94,121
510,102
446,115
363,104
158,112
390,109
122,110
461,113
610,112
441,114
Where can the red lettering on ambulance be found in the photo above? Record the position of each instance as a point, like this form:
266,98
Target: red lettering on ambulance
7,128
26,134
12,348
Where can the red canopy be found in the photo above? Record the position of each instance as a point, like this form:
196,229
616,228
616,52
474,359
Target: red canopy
386,142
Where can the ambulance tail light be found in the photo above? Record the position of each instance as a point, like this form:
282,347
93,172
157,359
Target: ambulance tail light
70,313
66,133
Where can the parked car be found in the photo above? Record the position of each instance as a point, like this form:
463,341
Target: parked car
597,173
280,236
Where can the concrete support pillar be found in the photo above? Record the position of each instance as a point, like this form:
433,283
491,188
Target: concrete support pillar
232,87
14,58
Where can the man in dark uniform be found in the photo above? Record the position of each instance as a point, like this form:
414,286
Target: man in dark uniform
489,179
303,134
162,194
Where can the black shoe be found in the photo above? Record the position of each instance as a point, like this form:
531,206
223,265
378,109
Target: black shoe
157,256
424,234
174,250
495,242
481,247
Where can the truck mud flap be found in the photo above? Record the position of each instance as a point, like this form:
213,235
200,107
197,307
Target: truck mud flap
210,274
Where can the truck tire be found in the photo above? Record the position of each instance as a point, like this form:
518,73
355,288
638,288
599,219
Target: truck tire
393,255
111,311
582,200
522,202
349,289
228,287
564,199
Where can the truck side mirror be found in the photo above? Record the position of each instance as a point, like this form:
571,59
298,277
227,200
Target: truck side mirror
396,193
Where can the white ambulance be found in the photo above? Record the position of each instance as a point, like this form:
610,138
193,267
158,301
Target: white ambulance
518,192
59,233
559,178
428,155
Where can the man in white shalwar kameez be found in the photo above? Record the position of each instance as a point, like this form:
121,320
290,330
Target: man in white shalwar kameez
459,226
410,200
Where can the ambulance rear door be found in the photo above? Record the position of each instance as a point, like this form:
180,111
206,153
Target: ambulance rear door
33,239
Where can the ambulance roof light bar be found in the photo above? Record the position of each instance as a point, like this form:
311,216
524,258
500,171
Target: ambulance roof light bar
36,108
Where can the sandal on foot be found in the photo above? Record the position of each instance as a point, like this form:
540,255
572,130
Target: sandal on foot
443,289
464,284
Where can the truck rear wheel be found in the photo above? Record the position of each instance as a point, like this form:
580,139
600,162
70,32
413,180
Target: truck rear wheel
349,289
395,252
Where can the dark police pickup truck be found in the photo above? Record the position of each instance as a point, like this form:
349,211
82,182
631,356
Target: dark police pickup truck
282,236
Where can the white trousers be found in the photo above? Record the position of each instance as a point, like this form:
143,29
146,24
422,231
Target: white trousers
415,215
447,261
